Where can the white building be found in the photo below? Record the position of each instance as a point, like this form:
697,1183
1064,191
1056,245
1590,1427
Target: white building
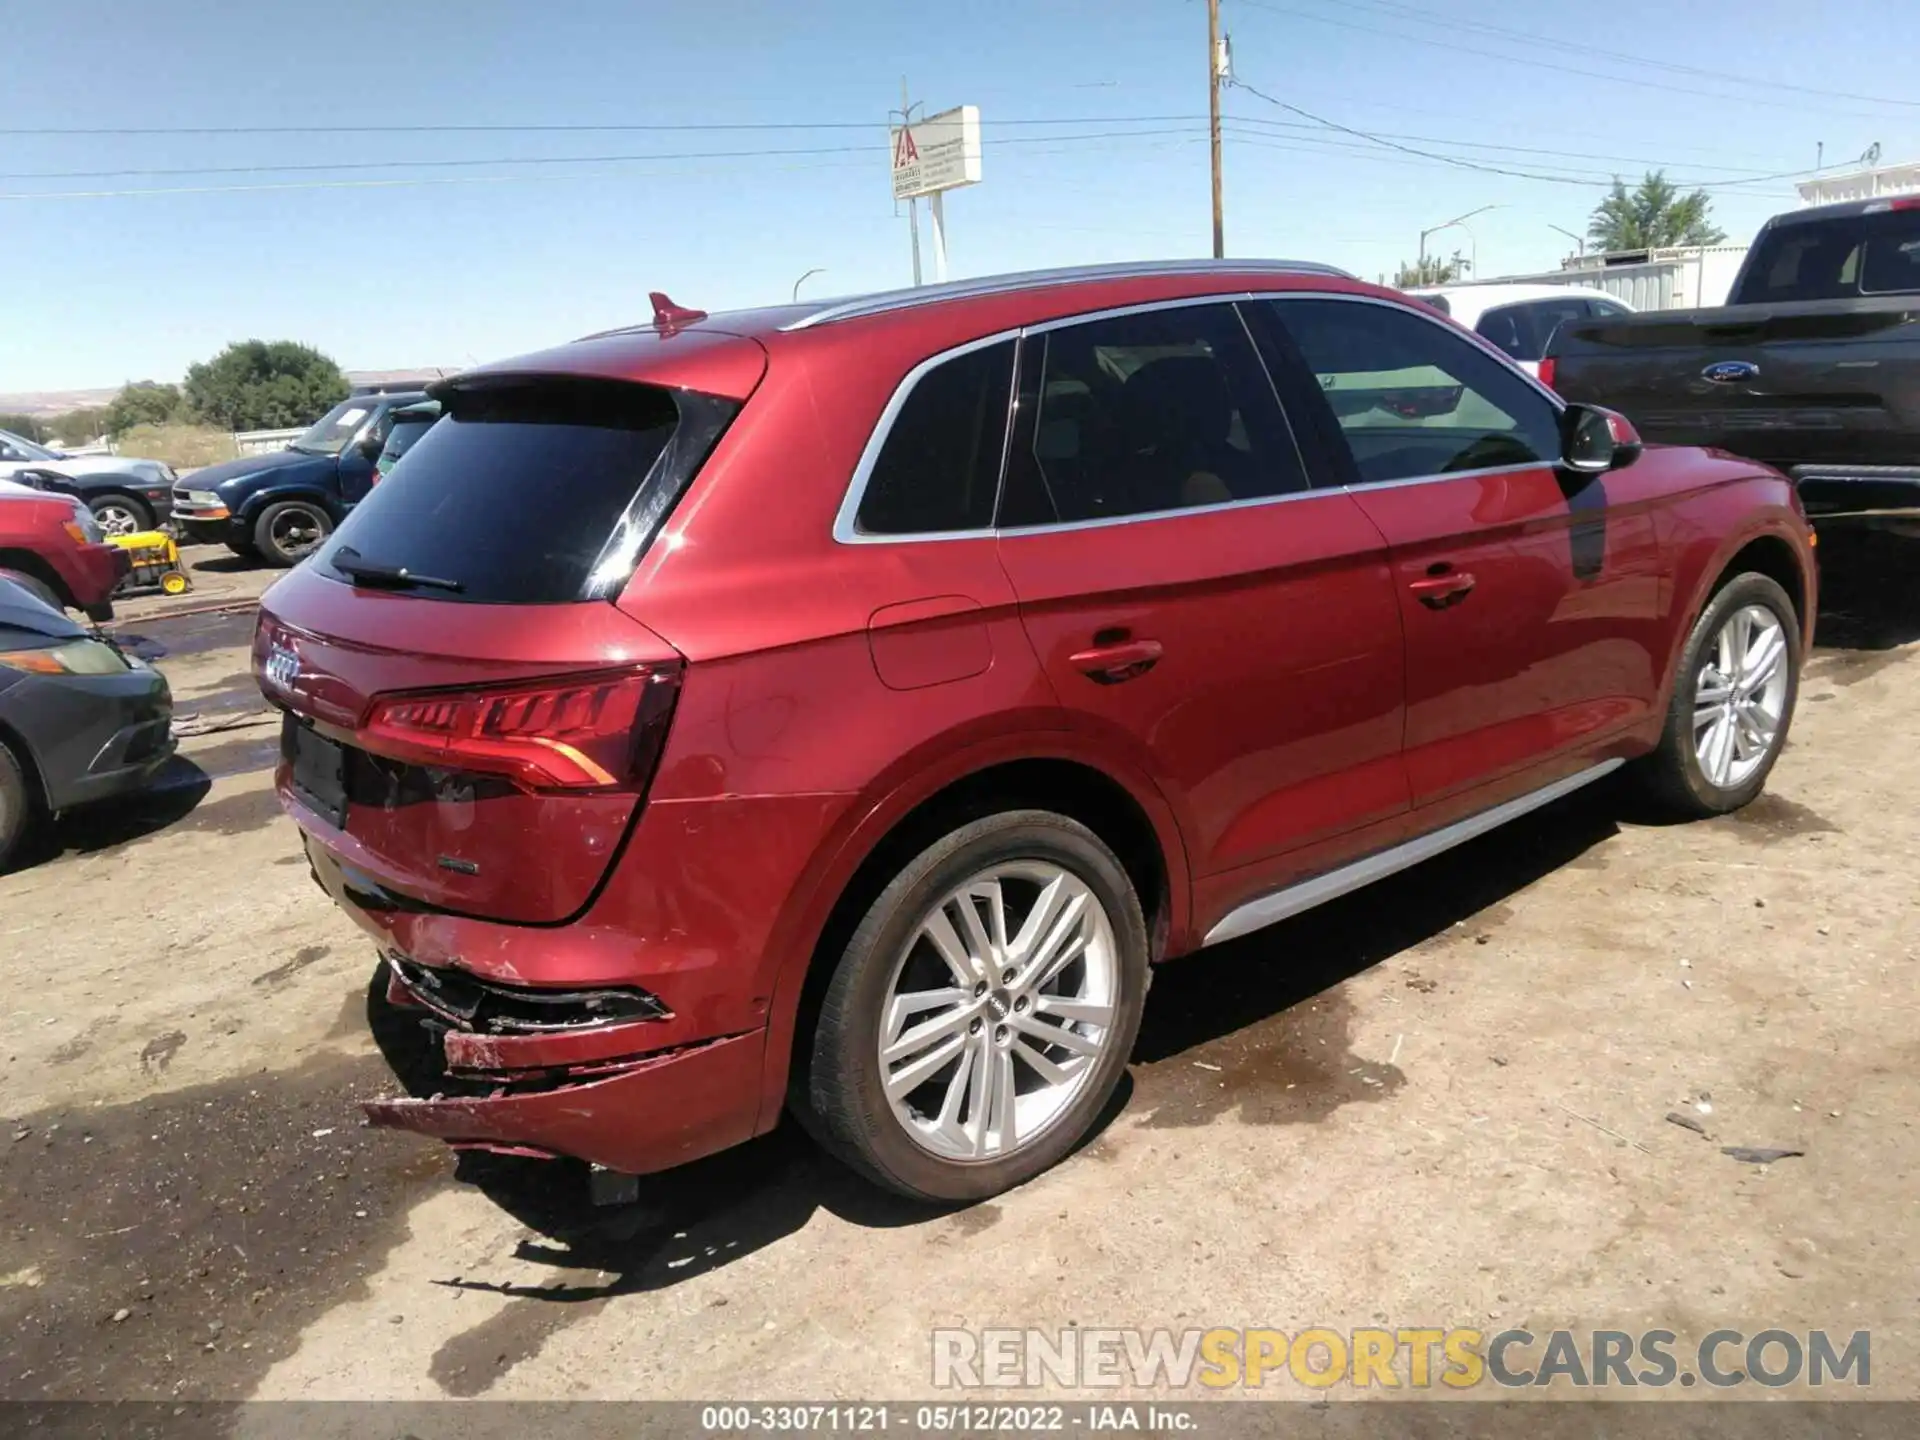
1861,184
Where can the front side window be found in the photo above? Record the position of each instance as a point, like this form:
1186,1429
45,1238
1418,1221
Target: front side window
1524,330
939,467
1146,413
1413,398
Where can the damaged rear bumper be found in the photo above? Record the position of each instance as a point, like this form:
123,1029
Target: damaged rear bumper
616,1093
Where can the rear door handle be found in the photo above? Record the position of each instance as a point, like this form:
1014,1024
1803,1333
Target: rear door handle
1110,664
1437,592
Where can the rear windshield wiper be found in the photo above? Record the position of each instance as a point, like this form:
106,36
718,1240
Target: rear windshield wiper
371,573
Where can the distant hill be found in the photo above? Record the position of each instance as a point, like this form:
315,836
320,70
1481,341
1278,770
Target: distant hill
59,402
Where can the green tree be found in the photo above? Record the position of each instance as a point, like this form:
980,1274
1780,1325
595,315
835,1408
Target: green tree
27,427
265,385
1652,215
1433,270
143,402
82,426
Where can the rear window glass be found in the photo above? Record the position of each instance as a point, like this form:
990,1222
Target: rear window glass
939,467
1831,259
533,493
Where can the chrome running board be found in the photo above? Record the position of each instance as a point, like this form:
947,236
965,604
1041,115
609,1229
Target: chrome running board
1269,909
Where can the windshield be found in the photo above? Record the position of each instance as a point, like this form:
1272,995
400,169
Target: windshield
330,433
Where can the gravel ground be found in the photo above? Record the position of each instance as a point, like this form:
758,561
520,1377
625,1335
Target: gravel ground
1439,1102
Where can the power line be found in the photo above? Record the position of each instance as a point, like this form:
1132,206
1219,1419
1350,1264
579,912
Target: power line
1538,64
570,128
478,163
1524,37
1465,164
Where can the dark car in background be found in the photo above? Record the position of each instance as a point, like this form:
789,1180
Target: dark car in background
279,507
1813,365
127,495
80,721
409,424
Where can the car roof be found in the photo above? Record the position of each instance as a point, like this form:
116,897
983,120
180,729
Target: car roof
1467,303
725,353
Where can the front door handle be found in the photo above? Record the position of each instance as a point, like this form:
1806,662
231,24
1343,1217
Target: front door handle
1110,664
1437,592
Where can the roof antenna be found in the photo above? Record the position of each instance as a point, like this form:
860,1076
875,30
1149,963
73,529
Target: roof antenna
669,318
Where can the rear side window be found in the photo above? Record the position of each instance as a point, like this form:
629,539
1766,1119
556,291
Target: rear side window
939,467
405,433
535,493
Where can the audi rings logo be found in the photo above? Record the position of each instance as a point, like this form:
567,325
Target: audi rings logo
282,667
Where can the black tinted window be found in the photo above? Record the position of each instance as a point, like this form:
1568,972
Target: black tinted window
1830,259
1608,309
939,467
1164,410
522,493
1413,398
405,434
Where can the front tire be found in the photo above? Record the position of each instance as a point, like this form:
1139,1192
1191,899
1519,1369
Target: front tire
1733,700
983,1012
289,531
121,514
16,806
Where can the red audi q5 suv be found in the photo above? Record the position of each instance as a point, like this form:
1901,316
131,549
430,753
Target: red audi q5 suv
839,707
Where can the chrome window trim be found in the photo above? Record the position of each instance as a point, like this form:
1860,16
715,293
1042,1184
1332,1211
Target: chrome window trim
888,301
846,533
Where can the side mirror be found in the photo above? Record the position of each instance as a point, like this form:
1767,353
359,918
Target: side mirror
1594,441
47,480
372,445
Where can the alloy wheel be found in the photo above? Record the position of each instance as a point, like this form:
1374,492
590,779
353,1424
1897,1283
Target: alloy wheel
1740,696
999,1007
296,533
116,519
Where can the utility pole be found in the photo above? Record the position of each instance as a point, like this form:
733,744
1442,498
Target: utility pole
1213,125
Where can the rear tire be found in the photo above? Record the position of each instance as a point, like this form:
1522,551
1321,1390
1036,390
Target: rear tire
1733,699
961,1095
289,531
121,514
17,808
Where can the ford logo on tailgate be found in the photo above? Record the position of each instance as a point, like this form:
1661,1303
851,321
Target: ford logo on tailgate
1731,372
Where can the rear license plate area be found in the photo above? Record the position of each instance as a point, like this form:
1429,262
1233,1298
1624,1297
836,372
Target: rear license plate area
318,770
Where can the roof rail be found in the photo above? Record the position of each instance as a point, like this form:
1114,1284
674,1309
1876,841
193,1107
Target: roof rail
890,300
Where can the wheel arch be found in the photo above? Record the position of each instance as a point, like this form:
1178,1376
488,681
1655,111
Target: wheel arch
255,505
28,563
1776,550
1047,772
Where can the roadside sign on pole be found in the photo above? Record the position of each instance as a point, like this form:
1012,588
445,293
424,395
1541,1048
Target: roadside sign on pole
941,152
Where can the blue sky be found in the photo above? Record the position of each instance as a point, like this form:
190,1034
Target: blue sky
493,257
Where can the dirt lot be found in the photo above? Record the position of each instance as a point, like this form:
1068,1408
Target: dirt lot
1440,1102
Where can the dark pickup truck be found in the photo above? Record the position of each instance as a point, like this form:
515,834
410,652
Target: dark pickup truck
1813,366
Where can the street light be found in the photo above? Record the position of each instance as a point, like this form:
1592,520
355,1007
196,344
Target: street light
1579,241
817,270
1460,221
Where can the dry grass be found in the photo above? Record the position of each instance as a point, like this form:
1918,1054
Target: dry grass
185,447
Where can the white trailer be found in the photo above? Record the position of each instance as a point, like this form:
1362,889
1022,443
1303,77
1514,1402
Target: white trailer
1684,277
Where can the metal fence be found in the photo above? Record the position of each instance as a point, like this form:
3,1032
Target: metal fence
261,442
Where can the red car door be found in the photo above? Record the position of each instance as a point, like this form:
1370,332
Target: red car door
1530,602
1189,595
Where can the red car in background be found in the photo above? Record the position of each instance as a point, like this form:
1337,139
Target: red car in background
52,546
840,707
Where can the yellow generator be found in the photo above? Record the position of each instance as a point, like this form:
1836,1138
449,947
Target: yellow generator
156,564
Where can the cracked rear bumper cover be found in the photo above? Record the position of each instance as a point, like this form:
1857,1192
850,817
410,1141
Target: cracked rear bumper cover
636,1115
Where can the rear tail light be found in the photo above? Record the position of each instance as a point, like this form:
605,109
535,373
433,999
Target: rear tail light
603,730
1547,367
